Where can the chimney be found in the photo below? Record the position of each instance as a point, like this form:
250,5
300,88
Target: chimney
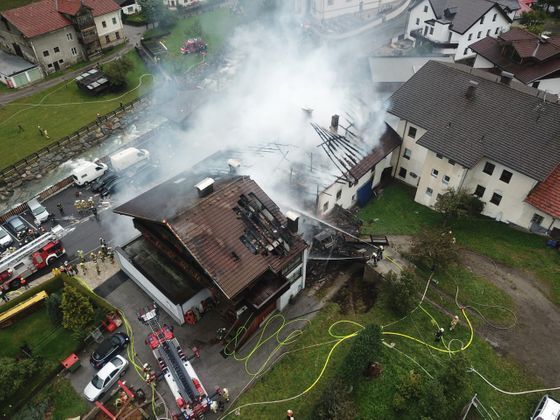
234,165
506,78
293,221
205,187
334,123
471,89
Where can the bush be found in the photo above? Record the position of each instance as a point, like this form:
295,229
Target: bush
408,392
401,292
366,348
334,404
434,249
77,310
53,309
116,72
458,204
14,374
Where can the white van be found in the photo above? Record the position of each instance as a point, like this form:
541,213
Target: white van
128,157
38,211
87,172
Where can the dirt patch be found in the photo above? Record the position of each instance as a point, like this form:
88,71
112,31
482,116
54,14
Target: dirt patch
356,295
534,339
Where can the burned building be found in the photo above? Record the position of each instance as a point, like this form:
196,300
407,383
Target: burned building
221,240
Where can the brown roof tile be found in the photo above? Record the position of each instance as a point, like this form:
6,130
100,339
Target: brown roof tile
546,195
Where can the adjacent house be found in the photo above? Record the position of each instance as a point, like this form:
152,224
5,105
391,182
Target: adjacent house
172,4
531,59
129,7
328,9
58,33
450,26
485,134
223,240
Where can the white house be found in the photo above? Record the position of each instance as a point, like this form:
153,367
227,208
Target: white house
450,26
323,10
474,131
129,7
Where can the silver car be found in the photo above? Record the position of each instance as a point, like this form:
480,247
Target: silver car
5,238
105,378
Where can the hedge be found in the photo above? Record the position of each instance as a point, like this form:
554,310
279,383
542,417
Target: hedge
50,286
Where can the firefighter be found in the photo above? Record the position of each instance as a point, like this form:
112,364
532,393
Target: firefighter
104,249
111,255
3,295
24,283
92,256
225,394
60,208
97,268
83,268
81,255
289,415
101,256
77,206
439,334
102,241
91,203
454,322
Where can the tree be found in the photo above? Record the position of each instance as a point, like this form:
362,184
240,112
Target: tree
14,374
457,204
116,72
533,21
401,292
366,348
152,10
53,309
76,308
434,249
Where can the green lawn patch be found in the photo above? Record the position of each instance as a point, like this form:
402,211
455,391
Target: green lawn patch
396,213
60,110
12,4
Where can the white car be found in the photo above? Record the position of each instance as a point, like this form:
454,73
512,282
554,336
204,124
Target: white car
5,238
105,378
548,409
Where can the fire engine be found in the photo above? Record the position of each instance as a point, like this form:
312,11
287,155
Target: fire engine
30,258
187,389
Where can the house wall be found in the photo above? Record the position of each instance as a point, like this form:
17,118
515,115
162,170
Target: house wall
146,285
113,29
173,3
297,285
65,39
482,63
9,36
328,9
415,164
417,16
23,78
131,9
194,302
550,85
349,194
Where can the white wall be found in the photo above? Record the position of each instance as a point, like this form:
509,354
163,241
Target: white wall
146,285
196,299
297,285
417,14
328,9
482,63
415,164
131,9
550,85
110,28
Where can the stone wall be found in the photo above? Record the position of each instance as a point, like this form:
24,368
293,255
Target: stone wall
52,156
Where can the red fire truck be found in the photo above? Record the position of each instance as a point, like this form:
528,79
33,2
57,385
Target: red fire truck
191,397
30,258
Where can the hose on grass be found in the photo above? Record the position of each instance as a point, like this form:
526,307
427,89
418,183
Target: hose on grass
532,391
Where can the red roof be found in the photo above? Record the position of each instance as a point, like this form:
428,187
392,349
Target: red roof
546,195
43,17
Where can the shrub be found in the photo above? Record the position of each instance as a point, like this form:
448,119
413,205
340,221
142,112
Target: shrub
401,292
116,72
335,404
14,374
408,392
434,249
455,204
366,348
77,310
53,309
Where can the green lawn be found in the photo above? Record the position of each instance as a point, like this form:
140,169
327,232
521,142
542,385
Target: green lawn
12,4
396,213
216,26
60,110
295,372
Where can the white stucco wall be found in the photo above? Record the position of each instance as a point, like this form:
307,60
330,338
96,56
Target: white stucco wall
146,285
482,63
297,285
194,302
550,85
415,164
131,9
417,17
65,39
110,29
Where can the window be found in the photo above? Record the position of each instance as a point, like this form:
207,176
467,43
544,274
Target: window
56,50
497,31
431,31
506,176
425,9
417,21
482,20
435,173
338,195
439,156
104,24
446,179
537,219
412,132
130,9
118,35
46,53
107,39
74,51
452,162
489,168
479,34
407,153
49,66
479,192
114,21
496,199
494,17
429,192
325,206
536,84
470,37
402,173
353,197
488,32
466,51
61,61
69,37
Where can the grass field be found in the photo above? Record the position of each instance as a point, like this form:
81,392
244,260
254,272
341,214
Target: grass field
60,110
216,26
12,4
373,399
396,213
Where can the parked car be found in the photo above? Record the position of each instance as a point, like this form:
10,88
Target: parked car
105,378
108,348
38,211
88,172
5,238
100,182
17,225
112,187
548,409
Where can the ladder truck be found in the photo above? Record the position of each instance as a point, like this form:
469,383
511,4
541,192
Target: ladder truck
30,258
189,393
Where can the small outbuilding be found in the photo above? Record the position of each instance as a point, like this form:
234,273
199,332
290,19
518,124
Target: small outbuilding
16,72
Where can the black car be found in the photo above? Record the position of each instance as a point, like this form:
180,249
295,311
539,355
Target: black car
108,349
112,187
17,225
103,180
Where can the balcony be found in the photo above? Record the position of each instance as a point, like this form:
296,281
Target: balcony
418,34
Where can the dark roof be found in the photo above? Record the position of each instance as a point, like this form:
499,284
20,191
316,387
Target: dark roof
542,56
388,142
546,195
213,228
43,17
511,125
462,14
